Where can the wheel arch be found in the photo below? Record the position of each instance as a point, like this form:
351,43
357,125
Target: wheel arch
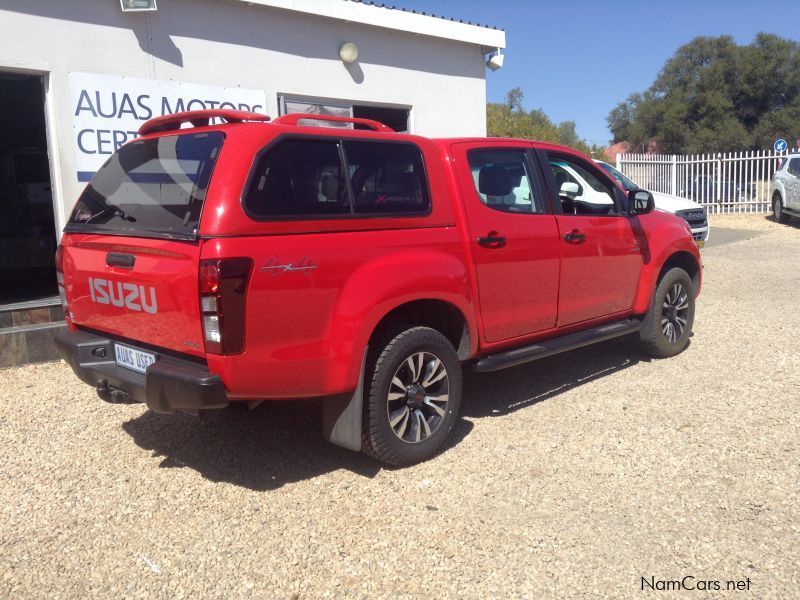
779,193
441,315
683,260
673,257
395,288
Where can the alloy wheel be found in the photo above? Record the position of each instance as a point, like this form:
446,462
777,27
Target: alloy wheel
418,396
674,314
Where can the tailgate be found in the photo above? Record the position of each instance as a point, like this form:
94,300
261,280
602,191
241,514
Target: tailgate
142,289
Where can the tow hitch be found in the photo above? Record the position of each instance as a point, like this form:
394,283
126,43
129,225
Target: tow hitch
113,395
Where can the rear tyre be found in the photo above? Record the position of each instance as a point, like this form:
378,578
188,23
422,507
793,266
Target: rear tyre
777,209
412,396
666,327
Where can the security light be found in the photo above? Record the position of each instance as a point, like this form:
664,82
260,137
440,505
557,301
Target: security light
137,5
495,61
348,52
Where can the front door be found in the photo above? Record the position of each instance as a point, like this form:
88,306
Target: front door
513,238
601,249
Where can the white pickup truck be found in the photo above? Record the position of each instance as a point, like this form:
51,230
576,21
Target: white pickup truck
692,212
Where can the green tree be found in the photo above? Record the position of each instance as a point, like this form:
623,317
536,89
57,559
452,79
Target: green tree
714,95
510,119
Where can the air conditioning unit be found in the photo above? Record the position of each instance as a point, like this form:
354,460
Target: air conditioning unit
137,5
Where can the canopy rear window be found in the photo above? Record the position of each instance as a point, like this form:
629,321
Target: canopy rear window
153,187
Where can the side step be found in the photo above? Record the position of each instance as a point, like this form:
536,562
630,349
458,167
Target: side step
564,343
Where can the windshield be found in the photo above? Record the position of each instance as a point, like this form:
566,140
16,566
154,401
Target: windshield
150,187
623,181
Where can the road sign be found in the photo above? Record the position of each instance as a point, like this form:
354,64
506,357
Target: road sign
780,145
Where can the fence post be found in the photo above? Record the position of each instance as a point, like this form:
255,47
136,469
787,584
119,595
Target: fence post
619,161
673,183
719,179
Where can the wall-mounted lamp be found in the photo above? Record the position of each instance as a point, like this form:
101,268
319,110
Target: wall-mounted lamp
137,5
348,52
495,60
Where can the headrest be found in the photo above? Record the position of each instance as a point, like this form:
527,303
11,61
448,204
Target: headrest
494,180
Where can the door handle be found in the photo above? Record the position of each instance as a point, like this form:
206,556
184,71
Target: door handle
117,259
492,240
575,237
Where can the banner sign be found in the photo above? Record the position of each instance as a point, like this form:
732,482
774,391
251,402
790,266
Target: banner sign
107,110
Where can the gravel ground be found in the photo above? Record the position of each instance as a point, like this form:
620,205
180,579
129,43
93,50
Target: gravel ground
574,476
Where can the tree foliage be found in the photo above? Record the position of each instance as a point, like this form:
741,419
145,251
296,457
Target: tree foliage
714,95
510,119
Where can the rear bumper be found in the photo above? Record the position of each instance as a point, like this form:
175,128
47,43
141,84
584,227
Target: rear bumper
170,384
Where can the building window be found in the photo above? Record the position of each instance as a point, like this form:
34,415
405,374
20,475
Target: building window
391,116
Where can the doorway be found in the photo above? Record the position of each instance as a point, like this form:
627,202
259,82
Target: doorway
27,220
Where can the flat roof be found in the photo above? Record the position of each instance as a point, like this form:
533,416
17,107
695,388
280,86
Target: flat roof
392,17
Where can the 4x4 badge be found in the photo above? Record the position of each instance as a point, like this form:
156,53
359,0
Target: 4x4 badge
276,268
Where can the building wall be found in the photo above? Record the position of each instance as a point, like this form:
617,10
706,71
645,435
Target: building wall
228,43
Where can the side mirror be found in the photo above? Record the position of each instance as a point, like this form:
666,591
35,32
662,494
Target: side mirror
570,189
641,202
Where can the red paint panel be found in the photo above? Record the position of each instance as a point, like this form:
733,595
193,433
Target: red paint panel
599,275
155,302
313,301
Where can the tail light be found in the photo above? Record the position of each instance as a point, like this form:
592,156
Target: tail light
223,290
59,260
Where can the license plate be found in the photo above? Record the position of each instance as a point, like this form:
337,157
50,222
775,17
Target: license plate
133,359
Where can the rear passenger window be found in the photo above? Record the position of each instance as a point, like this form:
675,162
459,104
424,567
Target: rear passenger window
305,178
386,178
503,181
300,178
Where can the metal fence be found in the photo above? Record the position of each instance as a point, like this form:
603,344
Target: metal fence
736,182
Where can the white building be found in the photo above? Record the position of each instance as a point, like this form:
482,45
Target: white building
78,78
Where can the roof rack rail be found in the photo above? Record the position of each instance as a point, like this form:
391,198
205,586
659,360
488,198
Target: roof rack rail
198,118
295,118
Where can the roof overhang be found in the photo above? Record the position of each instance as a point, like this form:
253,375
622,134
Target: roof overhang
393,18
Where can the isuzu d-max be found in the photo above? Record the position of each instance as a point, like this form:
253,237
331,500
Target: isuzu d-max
223,258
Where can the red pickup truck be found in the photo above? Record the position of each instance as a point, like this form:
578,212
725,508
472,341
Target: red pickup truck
250,260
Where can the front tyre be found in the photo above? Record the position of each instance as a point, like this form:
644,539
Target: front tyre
412,397
666,327
777,209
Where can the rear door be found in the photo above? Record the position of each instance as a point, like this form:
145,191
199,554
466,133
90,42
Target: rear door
513,238
131,253
601,248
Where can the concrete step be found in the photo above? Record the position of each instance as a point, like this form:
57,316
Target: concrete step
35,312
31,343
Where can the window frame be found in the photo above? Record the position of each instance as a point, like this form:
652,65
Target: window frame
620,198
343,165
537,183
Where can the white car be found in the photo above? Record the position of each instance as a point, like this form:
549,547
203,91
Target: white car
692,212
786,189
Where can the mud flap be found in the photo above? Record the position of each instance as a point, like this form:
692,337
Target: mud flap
342,416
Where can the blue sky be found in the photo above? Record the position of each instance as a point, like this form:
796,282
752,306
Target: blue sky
577,59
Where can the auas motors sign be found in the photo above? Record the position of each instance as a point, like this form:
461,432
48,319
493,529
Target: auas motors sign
107,111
